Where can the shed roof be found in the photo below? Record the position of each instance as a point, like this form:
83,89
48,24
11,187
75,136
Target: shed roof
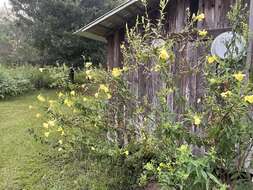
103,26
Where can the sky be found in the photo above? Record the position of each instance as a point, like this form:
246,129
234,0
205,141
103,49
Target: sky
2,2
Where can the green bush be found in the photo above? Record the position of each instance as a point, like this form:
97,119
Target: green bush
126,142
18,80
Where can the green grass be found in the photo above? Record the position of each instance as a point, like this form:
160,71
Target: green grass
19,152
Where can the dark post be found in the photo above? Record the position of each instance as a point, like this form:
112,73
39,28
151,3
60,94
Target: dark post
72,74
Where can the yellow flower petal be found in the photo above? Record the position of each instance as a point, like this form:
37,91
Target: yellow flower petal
88,64
164,54
211,59
38,115
46,125
197,120
226,94
199,17
41,98
51,123
60,95
47,134
116,72
72,93
202,33
239,76
60,142
109,96
249,99
104,88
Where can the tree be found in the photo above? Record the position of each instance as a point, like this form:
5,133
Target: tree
49,26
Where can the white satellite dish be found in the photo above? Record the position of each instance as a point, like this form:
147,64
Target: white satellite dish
220,46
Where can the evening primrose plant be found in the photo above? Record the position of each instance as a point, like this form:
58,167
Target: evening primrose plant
204,145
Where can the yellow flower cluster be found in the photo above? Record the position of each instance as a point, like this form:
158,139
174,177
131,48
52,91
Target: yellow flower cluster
196,120
211,59
202,33
164,54
239,76
116,72
60,95
249,99
89,74
226,94
103,89
68,102
72,93
41,98
88,64
199,17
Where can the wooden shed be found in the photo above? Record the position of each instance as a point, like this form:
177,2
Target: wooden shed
110,29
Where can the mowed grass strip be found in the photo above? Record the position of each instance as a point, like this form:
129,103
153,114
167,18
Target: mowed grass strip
19,152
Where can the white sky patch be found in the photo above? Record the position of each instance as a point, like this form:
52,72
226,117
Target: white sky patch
2,2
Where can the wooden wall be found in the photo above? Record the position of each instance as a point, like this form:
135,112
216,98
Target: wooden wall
189,83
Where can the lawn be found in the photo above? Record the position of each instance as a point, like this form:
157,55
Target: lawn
20,160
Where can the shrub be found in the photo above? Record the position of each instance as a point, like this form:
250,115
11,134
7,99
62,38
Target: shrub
15,81
133,142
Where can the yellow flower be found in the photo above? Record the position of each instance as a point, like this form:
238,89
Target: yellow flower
41,98
88,73
75,111
60,95
109,96
93,148
60,149
249,99
41,69
212,81
47,134
126,152
96,95
51,123
51,102
104,88
72,93
38,115
68,102
239,76
157,68
60,129
88,64
197,120
85,99
60,142
211,59
200,17
226,94
183,148
30,107
116,72
62,133
125,68
164,54
202,33
46,125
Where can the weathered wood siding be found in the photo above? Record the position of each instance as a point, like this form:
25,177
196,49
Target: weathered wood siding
189,80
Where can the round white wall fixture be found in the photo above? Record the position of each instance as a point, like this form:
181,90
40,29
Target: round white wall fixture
221,46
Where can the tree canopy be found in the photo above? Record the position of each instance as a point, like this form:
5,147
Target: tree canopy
49,26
